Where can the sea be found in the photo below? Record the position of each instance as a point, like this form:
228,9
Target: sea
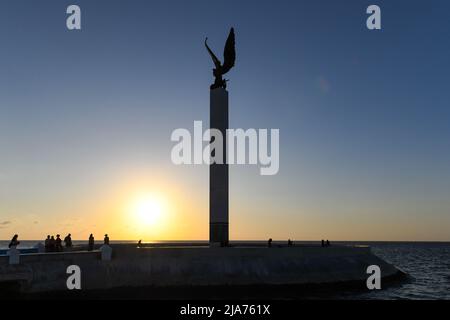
426,263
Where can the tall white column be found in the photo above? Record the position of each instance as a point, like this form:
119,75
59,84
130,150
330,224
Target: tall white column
218,173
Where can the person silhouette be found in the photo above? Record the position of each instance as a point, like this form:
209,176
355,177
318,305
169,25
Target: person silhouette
47,244
51,244
58,243
323,243
14,242
269,243
328,243
68,241
91,242
106,240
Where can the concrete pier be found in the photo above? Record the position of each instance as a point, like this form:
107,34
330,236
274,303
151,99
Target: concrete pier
218,173
194,266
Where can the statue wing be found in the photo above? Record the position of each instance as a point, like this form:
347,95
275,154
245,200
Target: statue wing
216,61
229,53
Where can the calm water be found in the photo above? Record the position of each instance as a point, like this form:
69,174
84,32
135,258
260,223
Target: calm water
428,264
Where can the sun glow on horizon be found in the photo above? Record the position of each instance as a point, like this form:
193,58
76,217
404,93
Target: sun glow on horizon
148,210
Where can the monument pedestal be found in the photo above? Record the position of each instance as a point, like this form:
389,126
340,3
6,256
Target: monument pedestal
14,255
218,173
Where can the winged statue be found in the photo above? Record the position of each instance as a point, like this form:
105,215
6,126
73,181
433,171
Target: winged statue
229,56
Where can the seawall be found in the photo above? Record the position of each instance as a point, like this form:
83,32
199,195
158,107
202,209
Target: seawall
194,266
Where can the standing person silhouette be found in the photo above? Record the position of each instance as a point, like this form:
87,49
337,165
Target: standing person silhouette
51,244
14,241
91,243
68,241
47,244
58,243
106,240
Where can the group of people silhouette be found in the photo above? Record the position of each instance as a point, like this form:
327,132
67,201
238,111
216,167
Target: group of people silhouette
290,243
325,243
91,242
53,244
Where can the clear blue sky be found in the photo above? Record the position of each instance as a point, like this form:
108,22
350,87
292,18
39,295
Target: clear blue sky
363,115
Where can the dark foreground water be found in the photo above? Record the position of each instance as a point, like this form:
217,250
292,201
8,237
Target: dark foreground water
427,264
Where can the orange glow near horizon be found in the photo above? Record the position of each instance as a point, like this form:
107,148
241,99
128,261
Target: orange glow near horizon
148,210
151,206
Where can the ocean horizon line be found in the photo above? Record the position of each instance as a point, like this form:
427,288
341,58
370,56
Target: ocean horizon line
253,240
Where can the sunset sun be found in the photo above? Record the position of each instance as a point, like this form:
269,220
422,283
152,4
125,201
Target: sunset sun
148,210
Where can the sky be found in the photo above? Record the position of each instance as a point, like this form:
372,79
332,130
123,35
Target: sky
86,118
